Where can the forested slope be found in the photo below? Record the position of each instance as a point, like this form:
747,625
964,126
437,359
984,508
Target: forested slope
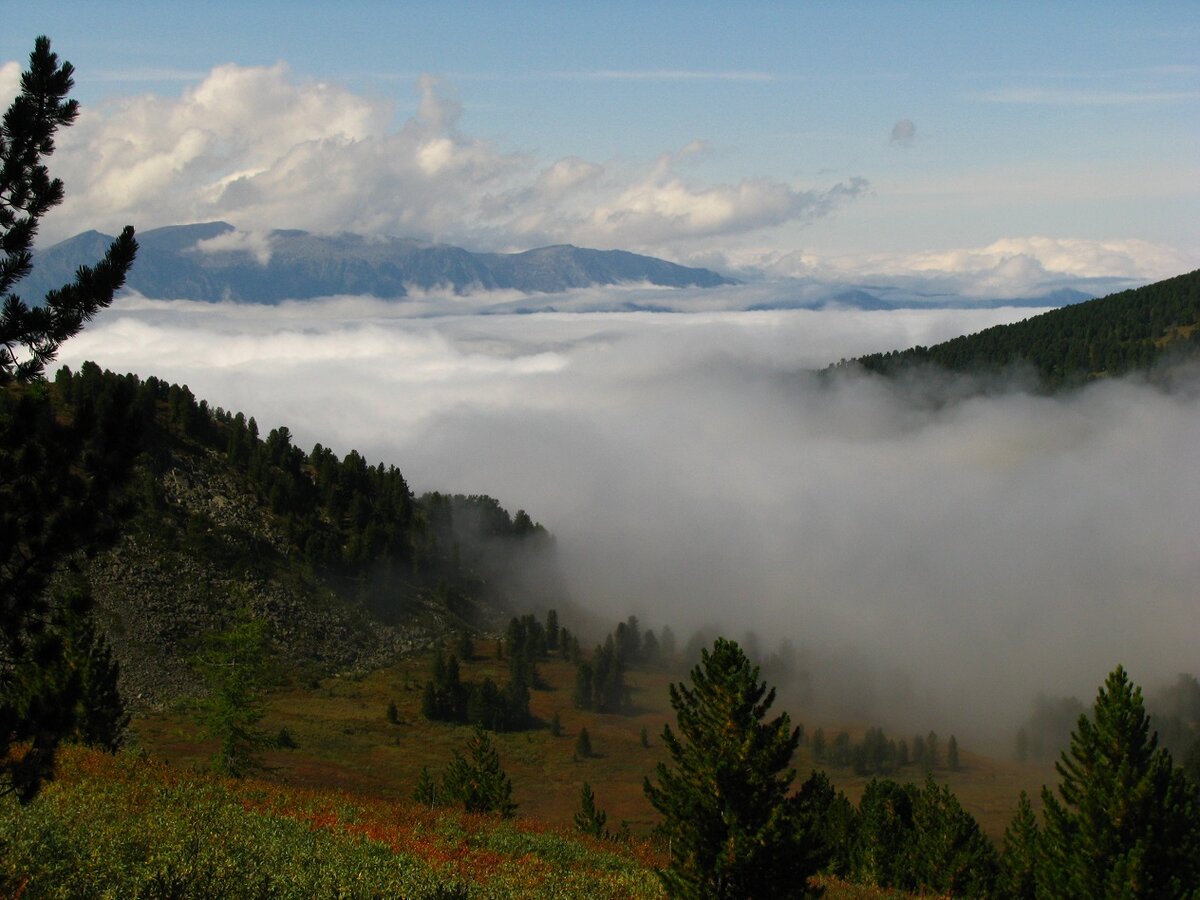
1113,335
340,558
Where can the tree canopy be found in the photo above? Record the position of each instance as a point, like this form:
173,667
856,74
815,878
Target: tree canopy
51,482
734,830
1126,822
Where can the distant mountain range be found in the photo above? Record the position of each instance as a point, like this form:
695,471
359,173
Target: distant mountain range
213,261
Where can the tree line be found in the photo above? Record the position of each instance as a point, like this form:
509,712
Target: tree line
1112,335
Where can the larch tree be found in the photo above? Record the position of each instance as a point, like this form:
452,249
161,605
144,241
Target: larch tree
734,830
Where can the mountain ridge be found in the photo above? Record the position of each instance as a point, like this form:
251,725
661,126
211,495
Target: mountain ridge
213,261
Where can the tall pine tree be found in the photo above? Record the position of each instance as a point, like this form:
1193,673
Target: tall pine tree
49,490
734,830
1126,822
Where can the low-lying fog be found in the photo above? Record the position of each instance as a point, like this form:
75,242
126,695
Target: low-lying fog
938,567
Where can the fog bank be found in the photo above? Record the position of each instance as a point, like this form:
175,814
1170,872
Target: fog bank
962,557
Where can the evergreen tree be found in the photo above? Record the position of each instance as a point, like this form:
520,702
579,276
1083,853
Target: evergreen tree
583,744
589,819
393,712
1018,859
50,490
556,725
949,852
30,336
425,792
1126,822
100,715
477,781
233,666
952,753
734,830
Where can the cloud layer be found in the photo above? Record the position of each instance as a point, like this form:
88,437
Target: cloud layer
264,149
954,560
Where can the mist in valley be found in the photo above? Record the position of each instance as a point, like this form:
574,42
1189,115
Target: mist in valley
936,564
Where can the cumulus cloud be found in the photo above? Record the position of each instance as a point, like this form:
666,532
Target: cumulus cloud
973,552
263,148
904,132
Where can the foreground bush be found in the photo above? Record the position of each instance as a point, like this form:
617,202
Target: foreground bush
126,827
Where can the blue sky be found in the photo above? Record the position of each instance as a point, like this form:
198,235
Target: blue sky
804,140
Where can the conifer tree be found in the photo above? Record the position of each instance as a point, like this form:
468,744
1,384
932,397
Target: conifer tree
583,744
734,830
49,491
425,792
1126,822
1018,858
589,819
952,753
100,716
233,664
477,781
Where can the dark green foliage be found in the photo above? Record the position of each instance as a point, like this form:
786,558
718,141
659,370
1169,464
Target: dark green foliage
920,839
583,744
393,712
284,740
30,335
1126,822
950,854
645,738
1110,336
952,753
876,755
52,482
1018,858
100,715
556,725
447,698
477,781
734,830
830,821
425,791
880,854
233,664
466,646
590,819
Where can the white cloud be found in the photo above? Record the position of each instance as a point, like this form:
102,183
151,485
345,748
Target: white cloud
10,82
263,149
1007,268
254,243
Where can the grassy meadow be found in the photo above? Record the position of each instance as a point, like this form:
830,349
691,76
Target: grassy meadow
345,741
332,816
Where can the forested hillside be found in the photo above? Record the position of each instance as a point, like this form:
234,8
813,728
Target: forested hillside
340,558
1135,329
